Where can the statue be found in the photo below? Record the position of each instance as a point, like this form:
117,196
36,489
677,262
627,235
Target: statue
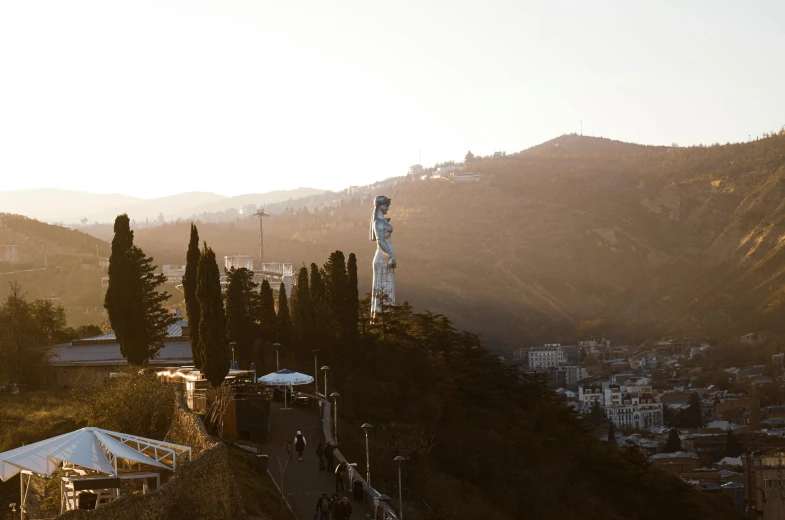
383,292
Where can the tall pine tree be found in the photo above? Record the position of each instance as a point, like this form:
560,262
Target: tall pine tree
302,316
212,326
354,293
268,326
673,443
134,305
240,326
284,320
189,288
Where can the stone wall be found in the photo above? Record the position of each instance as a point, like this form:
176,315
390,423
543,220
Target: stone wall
203,488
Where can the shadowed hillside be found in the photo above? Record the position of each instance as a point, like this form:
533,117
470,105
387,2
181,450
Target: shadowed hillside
654,240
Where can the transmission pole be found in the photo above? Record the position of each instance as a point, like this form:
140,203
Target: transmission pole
261,214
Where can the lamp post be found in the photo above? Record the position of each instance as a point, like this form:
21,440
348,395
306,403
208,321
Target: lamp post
367,427
233,344
325,369
335,396
379,500
315,374
400,459
277,364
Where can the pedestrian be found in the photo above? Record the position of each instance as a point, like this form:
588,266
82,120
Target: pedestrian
320,454
339,510
346,510
334,501
340,473
328,455
299,444
323,507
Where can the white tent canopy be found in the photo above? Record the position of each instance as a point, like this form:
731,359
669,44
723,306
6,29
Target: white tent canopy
286,378
92,449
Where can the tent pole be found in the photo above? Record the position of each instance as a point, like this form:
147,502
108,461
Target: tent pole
21,496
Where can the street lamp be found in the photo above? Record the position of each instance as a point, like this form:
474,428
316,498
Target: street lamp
379,500
335,396
233,344
277,364
400,459
325,368
367,427
315,374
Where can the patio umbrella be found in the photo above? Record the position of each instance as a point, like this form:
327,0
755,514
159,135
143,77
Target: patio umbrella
286,378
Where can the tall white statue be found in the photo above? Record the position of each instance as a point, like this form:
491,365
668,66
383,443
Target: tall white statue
384,260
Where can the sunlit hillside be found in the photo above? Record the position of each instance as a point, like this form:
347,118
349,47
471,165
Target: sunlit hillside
644,241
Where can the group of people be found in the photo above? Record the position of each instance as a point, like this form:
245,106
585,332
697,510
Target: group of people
333,508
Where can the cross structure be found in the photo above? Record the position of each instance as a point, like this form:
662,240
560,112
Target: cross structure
261,214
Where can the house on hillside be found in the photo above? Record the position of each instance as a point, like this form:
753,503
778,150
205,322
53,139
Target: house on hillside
99,357
753,338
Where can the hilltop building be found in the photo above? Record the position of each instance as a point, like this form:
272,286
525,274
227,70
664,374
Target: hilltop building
174,273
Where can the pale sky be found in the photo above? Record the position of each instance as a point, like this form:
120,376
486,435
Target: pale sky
151,98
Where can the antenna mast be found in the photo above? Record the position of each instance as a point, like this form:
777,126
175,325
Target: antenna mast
261,214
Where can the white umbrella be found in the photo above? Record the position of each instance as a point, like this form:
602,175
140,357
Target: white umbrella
286,378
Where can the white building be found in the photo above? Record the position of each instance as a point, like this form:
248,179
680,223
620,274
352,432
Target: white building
547,356
248,210
239,262
632,406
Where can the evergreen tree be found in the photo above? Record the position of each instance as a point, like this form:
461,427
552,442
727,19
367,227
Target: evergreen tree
212,326
302,316
134,305
611,434
694,415
189,288
469,156
240,326
674,442
339,296
354,293
733,446
596,414
268,326
284,320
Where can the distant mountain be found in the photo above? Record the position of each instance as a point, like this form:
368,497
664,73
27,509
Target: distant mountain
56,205
257,199
575,236
70,207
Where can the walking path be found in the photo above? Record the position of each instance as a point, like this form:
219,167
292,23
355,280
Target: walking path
303,482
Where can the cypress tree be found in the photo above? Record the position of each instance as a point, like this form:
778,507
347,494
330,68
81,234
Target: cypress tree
674,442
189,288
134,305
611,434
284,320
268,325
239,322
302,313
354,293
212,326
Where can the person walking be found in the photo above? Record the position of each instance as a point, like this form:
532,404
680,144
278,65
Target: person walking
323,507
299,444
328,454
333,504
320,454
340,474
346,509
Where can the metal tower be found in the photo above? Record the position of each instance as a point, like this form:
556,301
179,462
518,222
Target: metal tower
261,214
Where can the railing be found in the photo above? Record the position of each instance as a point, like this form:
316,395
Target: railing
381,509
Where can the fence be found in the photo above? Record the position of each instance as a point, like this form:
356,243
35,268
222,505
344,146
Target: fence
381,509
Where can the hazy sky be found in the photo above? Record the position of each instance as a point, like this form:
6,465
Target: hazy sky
151,98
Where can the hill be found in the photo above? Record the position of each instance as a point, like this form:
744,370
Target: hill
635,241
56,263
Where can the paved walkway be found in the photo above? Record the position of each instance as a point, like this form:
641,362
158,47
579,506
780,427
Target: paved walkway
303,482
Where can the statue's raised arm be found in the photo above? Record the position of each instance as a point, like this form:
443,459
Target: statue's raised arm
384,262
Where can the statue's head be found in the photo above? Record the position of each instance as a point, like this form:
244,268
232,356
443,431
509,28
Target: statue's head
382,203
